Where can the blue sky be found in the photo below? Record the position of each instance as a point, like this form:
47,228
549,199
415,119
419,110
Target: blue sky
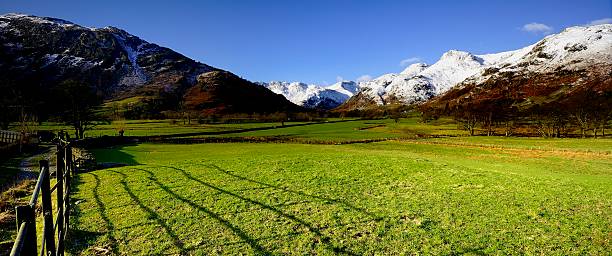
322,41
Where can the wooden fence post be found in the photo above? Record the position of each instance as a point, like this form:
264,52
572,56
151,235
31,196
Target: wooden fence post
25,213
47,209
60,199
68,160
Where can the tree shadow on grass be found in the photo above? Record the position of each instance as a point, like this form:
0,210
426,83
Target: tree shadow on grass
245,237
114,157
326,199
325,239
151,214
82,239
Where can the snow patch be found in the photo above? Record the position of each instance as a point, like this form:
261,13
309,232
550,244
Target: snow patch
135,74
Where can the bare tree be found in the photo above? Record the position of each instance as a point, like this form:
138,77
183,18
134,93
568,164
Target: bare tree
487,122
79,101
468,119
582,118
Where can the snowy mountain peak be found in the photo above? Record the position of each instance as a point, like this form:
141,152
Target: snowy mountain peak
414,69
456,55
345,86
576,48
314,96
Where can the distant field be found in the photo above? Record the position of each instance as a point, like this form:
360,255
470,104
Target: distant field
356,130
429,196
334,130
153,127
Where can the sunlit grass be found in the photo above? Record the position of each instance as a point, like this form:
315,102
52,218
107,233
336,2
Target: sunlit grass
387,198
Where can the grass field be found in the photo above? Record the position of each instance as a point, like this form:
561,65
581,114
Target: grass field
472,195
356,130
334,130
153,127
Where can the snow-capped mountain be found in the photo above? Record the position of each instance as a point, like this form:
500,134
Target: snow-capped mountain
116,64
565,72
576,47
314,96
419,82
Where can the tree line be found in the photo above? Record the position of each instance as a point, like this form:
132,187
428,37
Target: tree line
28,99
584,114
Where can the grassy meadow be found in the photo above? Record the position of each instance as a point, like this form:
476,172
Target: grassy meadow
407,195
152,127
332,129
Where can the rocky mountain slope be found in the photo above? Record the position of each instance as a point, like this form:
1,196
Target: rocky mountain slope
576,48
47,51
314,96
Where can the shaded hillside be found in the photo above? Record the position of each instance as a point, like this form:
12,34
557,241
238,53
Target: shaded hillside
224,92
37,54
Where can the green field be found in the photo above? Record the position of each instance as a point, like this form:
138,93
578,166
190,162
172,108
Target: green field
153,127
332,129
472,195
354,130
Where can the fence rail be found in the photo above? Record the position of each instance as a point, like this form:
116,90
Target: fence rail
10,137
54,233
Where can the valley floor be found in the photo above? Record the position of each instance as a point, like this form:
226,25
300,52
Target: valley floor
430,196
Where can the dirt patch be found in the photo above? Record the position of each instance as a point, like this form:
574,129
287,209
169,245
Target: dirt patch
482,157
521,152
370,127
16,195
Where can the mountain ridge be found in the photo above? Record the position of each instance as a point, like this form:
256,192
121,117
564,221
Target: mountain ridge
314,96
420,83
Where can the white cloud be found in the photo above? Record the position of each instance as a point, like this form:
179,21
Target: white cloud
408,61
537,28
601,21
339,79
364,78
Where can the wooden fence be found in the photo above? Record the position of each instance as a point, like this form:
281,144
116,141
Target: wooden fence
10,137
54,232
